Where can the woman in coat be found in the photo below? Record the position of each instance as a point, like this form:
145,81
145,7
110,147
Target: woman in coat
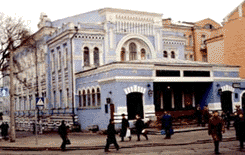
241,130
111,139
125,126
139,127
215,129
62,131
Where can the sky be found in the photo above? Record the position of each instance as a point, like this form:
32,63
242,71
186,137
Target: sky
177,10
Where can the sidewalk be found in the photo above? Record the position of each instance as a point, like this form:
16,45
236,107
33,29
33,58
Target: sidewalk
90,141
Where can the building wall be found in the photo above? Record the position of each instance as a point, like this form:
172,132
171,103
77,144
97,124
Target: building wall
215,52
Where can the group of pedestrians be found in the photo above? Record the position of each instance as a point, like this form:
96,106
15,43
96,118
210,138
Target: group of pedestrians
4,130
202,116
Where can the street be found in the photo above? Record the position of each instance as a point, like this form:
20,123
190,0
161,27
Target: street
226,148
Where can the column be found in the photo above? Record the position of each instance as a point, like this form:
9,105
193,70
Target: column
172,98
127,55
161,100
183,99
57,97
193,100
63,77
91,57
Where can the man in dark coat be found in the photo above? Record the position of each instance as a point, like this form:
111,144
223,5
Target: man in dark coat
6,128
167,124
215,129
236,120
2,128
241,130
198,115
139,127
63,134
125,126
206,116
111,139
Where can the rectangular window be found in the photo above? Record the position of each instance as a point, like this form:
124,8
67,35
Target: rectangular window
53,61
196,73
66,61
168,73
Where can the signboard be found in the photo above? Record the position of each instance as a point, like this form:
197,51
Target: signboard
236,85
4,91
40,101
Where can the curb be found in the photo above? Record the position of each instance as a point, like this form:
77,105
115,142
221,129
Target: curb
102,147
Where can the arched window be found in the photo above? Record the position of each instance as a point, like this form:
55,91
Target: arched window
98,97
123,54
190,40
96,57
80,98
132,51
143,56
89,98
84,98
93,97
86,56
172,55
165,54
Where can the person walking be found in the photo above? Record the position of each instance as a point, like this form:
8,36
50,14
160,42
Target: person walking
236,120
241,130
215,129
6,128
198,115
139,127
63,134
2,128
167,124
125,127
206,116
111,139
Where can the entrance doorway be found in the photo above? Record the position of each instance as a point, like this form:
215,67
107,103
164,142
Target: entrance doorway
135,105
243,101
226,101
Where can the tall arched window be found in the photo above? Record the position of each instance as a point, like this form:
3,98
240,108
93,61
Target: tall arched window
172,55
123,54
80,98
96,57
98,97
143,55
86,56
84,98
89,98
165,54
190,40
132,51
93,97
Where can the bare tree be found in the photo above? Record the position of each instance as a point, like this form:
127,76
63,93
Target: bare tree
13,34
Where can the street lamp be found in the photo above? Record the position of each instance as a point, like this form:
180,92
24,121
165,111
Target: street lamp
39,106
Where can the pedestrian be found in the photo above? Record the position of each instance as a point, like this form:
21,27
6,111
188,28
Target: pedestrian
241,130
198,115
215,129
167,124
2,128
139,128
6,128
206,116
125,127
34,128
63,134
111,139
238,110
236,120
228,120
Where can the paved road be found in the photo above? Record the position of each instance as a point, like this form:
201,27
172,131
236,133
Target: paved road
226,148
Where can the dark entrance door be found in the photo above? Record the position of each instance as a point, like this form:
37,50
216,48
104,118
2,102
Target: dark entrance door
226,101
243,101
135,105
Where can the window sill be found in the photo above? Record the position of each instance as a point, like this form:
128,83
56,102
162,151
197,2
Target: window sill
88,108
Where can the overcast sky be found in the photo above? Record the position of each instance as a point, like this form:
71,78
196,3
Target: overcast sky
178,10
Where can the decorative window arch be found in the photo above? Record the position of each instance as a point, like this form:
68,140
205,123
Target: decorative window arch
143,54
98,97
89,98
135,88
123,54
86,56
96,57
93,97
84,98
172,54
80,98
132,51
165,54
